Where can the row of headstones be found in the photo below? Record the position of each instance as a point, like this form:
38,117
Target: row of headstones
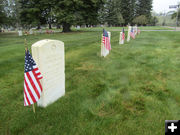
49,57
135,30
20,32
105,52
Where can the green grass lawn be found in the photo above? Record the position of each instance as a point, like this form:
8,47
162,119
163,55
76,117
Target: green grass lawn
130,92
126,28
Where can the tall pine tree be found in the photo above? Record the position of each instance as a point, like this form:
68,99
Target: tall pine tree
70,12
113,13
2,14
125,11
128,10
31,13
144,7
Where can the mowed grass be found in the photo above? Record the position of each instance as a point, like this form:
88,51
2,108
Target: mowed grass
126,28
130,92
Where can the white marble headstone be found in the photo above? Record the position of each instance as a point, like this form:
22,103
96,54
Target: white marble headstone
120,39
109,34
20,32
104,51
128,35
49,57
102,48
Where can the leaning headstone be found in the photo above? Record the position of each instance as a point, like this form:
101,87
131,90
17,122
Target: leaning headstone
20,32
49,57
128,35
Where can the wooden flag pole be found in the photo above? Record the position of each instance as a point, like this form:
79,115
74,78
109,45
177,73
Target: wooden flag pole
101,45
34,109
25,45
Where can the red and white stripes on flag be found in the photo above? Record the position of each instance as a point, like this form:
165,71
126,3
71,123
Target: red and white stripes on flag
132,33
106,40
123,34
32,85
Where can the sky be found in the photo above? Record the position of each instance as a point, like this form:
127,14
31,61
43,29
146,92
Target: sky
163,5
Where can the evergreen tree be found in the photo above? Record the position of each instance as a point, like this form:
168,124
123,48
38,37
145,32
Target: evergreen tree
36,12
70,12
115,17
12,12
31,13
144,7
128,10
110,16
2,15
111,13
102,14
125,11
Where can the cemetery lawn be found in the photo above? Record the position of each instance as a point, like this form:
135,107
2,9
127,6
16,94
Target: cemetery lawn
126,28
130,92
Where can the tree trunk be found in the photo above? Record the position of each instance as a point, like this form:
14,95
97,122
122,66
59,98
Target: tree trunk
66,27
39,26
58,26
50,27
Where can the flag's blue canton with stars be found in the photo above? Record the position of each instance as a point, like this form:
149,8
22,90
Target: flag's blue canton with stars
32,85
29,62
132,33
132,30
123,30
105,33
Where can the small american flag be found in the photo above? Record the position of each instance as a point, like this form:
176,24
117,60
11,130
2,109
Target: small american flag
105,40
132,33
32,85
123,34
